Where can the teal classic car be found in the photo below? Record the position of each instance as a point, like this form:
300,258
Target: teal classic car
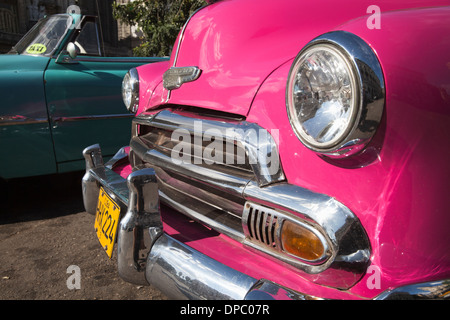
59,93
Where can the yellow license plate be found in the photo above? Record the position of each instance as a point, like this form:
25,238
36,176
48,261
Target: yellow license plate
106,221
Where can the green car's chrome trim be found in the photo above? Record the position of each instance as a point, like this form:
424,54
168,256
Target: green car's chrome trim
18,119
93,117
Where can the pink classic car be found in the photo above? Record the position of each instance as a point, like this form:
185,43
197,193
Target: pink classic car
288,150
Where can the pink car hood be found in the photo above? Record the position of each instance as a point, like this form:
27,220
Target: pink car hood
237,45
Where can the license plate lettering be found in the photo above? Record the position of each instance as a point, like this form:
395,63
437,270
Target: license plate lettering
109,223
106,221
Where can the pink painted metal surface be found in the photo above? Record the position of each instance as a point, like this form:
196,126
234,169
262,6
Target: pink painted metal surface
236,54
239,257
400,193
150,76
398,186
405,210
124,169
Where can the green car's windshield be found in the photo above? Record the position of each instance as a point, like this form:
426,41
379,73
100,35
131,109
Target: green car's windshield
44,37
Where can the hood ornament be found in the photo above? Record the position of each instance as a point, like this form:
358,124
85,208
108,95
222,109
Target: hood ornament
176,76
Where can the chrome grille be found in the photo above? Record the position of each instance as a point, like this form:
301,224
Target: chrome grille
229,158
207,184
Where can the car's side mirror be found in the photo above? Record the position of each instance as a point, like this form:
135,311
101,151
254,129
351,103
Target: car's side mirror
72,50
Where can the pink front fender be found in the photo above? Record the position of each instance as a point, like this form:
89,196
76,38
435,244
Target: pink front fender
400,195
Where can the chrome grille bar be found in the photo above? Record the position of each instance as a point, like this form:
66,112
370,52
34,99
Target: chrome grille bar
258,143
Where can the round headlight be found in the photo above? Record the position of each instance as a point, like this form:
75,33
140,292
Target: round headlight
323,97
325,104
130,90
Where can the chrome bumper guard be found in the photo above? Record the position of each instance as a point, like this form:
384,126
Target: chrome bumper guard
148,256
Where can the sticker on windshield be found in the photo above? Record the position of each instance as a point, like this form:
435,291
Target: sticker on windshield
37,48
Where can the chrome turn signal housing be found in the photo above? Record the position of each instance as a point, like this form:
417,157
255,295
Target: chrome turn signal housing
284,236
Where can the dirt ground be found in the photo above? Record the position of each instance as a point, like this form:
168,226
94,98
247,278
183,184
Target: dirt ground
43,231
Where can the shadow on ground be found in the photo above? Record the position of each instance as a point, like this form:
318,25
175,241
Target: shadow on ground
43,197
44,230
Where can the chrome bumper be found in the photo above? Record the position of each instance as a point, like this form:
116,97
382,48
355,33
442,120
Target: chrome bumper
147,255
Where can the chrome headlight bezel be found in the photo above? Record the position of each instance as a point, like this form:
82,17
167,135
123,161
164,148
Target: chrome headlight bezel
367,94
130,90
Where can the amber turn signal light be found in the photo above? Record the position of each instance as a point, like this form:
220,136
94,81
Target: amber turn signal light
301,242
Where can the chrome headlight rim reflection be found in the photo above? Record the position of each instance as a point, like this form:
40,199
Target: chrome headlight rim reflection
368,89
130,90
